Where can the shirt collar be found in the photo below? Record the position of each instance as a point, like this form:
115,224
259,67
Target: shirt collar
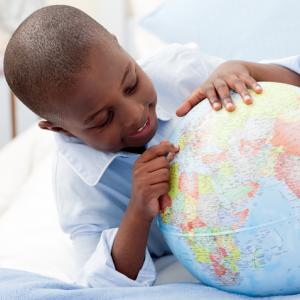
90,164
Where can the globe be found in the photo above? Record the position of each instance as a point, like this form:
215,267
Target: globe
233,213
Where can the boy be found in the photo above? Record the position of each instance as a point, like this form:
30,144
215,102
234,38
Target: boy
70,71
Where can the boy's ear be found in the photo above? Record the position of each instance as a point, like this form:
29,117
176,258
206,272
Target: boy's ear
50,126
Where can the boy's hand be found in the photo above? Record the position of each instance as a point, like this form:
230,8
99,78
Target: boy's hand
151,179
231,75
150,182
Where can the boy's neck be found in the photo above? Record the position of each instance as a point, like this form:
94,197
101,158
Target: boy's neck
138,150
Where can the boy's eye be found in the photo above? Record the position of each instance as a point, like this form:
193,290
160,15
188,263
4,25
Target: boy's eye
130,90
108,120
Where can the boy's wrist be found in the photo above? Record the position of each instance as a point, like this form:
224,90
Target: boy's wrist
252,69
261,71
137,216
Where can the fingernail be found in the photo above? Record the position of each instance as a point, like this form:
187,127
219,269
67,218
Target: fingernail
176,147
248,99
258,88
217,105
230,107
170,156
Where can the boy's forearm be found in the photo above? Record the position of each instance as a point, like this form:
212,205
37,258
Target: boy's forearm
128,251
272,72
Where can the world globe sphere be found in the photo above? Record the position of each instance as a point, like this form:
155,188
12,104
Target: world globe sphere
233,213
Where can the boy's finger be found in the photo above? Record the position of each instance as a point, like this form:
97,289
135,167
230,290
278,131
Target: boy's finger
164,200
228,104
224,93
197,96
240,87
159,176
158,163
252,84
213,99
161,149
159,189
170,156
164,142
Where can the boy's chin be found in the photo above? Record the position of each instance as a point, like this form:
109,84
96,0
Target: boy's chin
139,144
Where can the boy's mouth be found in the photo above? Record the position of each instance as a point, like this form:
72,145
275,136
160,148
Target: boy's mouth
143,130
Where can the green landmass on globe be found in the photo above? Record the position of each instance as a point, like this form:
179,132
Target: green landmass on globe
233,217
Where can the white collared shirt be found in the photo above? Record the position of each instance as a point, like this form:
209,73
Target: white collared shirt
93,188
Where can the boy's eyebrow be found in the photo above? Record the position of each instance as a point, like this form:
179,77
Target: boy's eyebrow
126,73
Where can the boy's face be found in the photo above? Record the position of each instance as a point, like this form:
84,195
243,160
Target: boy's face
112,105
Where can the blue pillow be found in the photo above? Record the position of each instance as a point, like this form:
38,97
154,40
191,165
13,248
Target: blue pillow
232,29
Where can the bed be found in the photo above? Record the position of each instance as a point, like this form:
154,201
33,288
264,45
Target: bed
36,257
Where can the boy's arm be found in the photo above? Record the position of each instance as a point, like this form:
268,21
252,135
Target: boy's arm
272,72
237,76
150,182
128,251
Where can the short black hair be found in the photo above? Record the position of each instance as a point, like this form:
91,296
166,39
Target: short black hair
46,51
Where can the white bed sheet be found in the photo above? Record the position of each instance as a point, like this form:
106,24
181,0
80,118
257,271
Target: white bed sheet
30,236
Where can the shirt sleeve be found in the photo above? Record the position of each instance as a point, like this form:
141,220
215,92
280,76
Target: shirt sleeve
91,216
292,63
99,270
